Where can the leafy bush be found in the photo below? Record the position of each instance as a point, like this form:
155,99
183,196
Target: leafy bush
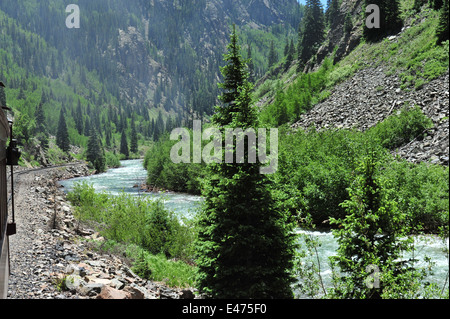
163,173
422,191
400,129
158,268
134,220
315,170
112,161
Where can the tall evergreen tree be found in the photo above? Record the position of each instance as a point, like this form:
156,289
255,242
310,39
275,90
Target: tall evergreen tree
348,24
2,96
158,128
40,119
40,128
124,145
311,31
273,56
62,135
286,48
95,153
290,55
332,11
134,138
245,245
235,74
442,31
79,118
87,127
251,65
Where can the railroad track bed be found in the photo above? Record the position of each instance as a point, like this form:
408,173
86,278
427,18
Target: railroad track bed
47,248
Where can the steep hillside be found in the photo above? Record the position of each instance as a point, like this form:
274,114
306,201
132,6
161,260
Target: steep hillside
351,83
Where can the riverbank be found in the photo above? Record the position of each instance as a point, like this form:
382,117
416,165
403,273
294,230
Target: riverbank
52,257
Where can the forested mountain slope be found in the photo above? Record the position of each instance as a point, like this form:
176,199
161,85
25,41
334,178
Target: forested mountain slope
154,61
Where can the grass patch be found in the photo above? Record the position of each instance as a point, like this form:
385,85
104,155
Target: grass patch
173,273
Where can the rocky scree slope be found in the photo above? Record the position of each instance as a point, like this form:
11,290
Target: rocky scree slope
370,96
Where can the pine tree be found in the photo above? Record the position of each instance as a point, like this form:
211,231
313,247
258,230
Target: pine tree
40,119
245,245
235,75
251,66
79,118
87,127
62,135
372,237
158,127
311,31
290,55
95,153
332,11
348,24
124,145
2,96
442,31
134,138
393,22
286,48
273,56
40,128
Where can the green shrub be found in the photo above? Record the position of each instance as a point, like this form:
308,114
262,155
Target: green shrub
137,220
422,191
400,129
315,170
163,173
112,161
158,268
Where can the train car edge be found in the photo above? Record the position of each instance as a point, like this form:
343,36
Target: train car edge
4,244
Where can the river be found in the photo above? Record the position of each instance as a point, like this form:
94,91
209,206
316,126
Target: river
126,178
132,173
